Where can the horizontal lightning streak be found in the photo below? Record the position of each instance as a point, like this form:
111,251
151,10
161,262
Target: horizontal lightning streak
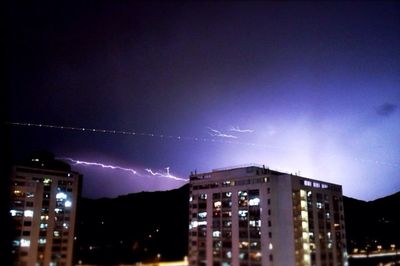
196,139
217,133
167,174
101,165
237,129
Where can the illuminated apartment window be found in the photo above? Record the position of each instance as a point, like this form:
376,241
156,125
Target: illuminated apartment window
307,183
216,233
243,198
25,242
28,213
203,196
16,213
202,215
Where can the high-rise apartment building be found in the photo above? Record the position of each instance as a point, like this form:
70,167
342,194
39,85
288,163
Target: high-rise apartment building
44,194
256,216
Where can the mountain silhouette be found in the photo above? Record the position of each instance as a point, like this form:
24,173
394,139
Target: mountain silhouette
150,226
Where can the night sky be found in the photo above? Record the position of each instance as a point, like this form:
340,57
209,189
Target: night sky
303,87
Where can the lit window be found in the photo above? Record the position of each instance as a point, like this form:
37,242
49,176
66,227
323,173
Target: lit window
190,199
43,226
254,244
30,194
316,184
243,244
16,213
47,181
319,205
202,215
58,210
217,204
18,193
227,183
56,233
65,225
203,196
42,241
25,243
202,223
270,246
324,186
307,183
242,193
68,203
255,223
254,202
28,213
216,233
243,213
193,224
61,196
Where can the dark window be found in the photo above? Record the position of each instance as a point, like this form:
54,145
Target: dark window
27,223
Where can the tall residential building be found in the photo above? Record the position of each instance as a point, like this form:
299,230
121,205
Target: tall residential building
44,194
256,216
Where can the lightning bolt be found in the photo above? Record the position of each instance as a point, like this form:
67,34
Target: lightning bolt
217,133
237,129
114,167
167,174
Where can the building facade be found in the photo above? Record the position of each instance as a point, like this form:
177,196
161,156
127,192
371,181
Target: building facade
44,195
256,216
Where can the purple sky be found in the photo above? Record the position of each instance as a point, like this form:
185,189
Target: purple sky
317,83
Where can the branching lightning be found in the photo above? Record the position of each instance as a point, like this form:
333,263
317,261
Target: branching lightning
220,138
101,165
167,174
239,130
217,133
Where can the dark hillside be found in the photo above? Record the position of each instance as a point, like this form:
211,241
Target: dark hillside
138,227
